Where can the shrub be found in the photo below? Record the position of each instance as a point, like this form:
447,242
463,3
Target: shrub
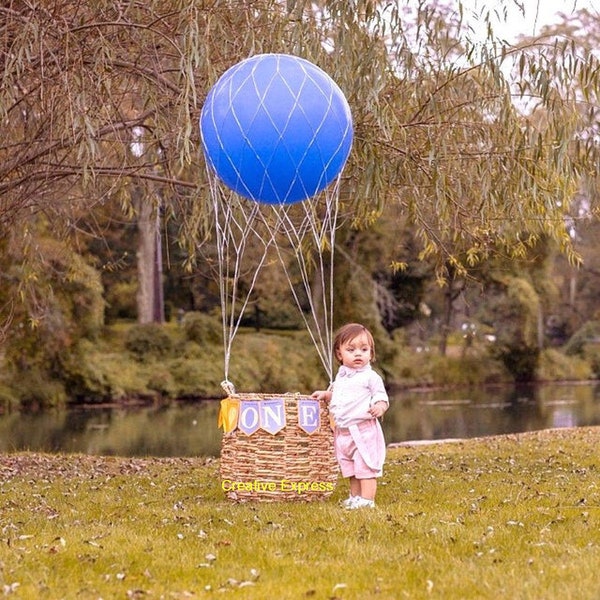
162,382
148,341
590,331
276,364
197,377
37,390
201,328
591,356
8,399
121,300
83,375
556,366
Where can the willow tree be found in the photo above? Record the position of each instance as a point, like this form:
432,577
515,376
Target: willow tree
436,129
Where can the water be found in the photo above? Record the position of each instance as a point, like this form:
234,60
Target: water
191,429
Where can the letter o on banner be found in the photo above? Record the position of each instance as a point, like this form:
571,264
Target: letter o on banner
276,129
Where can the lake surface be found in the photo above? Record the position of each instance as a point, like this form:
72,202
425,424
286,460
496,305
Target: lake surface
190,429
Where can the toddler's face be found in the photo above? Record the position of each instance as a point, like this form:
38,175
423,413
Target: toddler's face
355,353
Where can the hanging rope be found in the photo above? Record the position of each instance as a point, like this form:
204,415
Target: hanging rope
303,238
311,237
235,226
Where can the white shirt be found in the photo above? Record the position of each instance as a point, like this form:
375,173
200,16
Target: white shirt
354,392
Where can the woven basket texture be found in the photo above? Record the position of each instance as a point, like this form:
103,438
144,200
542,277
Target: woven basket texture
290,460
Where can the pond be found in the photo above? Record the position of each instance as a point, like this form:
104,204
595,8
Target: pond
190,429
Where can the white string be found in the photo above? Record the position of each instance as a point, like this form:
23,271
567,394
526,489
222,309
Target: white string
308,229
320,233
235,225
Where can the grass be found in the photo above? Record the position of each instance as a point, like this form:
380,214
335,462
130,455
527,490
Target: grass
503,517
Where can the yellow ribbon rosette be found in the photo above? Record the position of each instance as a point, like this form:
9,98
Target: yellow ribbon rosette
228,414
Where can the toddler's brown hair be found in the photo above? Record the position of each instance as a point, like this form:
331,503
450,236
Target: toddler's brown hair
348,332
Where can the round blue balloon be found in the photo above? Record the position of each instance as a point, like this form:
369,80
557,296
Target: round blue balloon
276,129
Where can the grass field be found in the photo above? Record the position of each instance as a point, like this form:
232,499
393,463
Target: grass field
504,517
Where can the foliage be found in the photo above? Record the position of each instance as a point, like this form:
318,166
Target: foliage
120,301
424,368
439,137
149,340
276,363
512,310
72,309
512,517
38,390
585,345
558,366
589,332
61,292
268,361
159,362
201,328
591,356
275,310
84,376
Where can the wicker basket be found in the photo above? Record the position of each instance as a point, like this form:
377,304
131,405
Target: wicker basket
290,465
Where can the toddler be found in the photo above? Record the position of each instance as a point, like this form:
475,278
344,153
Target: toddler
357,398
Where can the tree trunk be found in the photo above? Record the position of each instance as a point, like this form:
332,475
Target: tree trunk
150,302
454,289
446,318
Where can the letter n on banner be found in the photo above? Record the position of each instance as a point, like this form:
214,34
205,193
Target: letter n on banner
309,415
272,415
249,419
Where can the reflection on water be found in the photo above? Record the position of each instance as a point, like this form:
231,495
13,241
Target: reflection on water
442,414
191,429
178,430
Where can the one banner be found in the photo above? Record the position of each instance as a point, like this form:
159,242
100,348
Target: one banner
251,415
309,415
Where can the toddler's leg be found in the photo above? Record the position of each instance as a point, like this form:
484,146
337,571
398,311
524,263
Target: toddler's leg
355,486
365,497
368,488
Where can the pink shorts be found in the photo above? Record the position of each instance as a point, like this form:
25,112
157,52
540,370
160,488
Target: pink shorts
360,449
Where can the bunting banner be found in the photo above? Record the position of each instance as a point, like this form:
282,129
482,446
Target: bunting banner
272,415
269,415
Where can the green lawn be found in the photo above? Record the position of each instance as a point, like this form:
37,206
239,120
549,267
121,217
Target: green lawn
504,517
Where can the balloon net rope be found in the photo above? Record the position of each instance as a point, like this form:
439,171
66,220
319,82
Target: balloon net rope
309,229
302,235
235,226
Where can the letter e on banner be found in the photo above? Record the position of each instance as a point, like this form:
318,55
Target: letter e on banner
249,419
272,415
309,415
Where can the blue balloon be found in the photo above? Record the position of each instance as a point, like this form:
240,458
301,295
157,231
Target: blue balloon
276,129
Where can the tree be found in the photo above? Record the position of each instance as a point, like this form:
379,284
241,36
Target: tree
437,133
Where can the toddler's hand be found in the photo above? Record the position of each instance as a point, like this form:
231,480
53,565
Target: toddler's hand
378,409
321,395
